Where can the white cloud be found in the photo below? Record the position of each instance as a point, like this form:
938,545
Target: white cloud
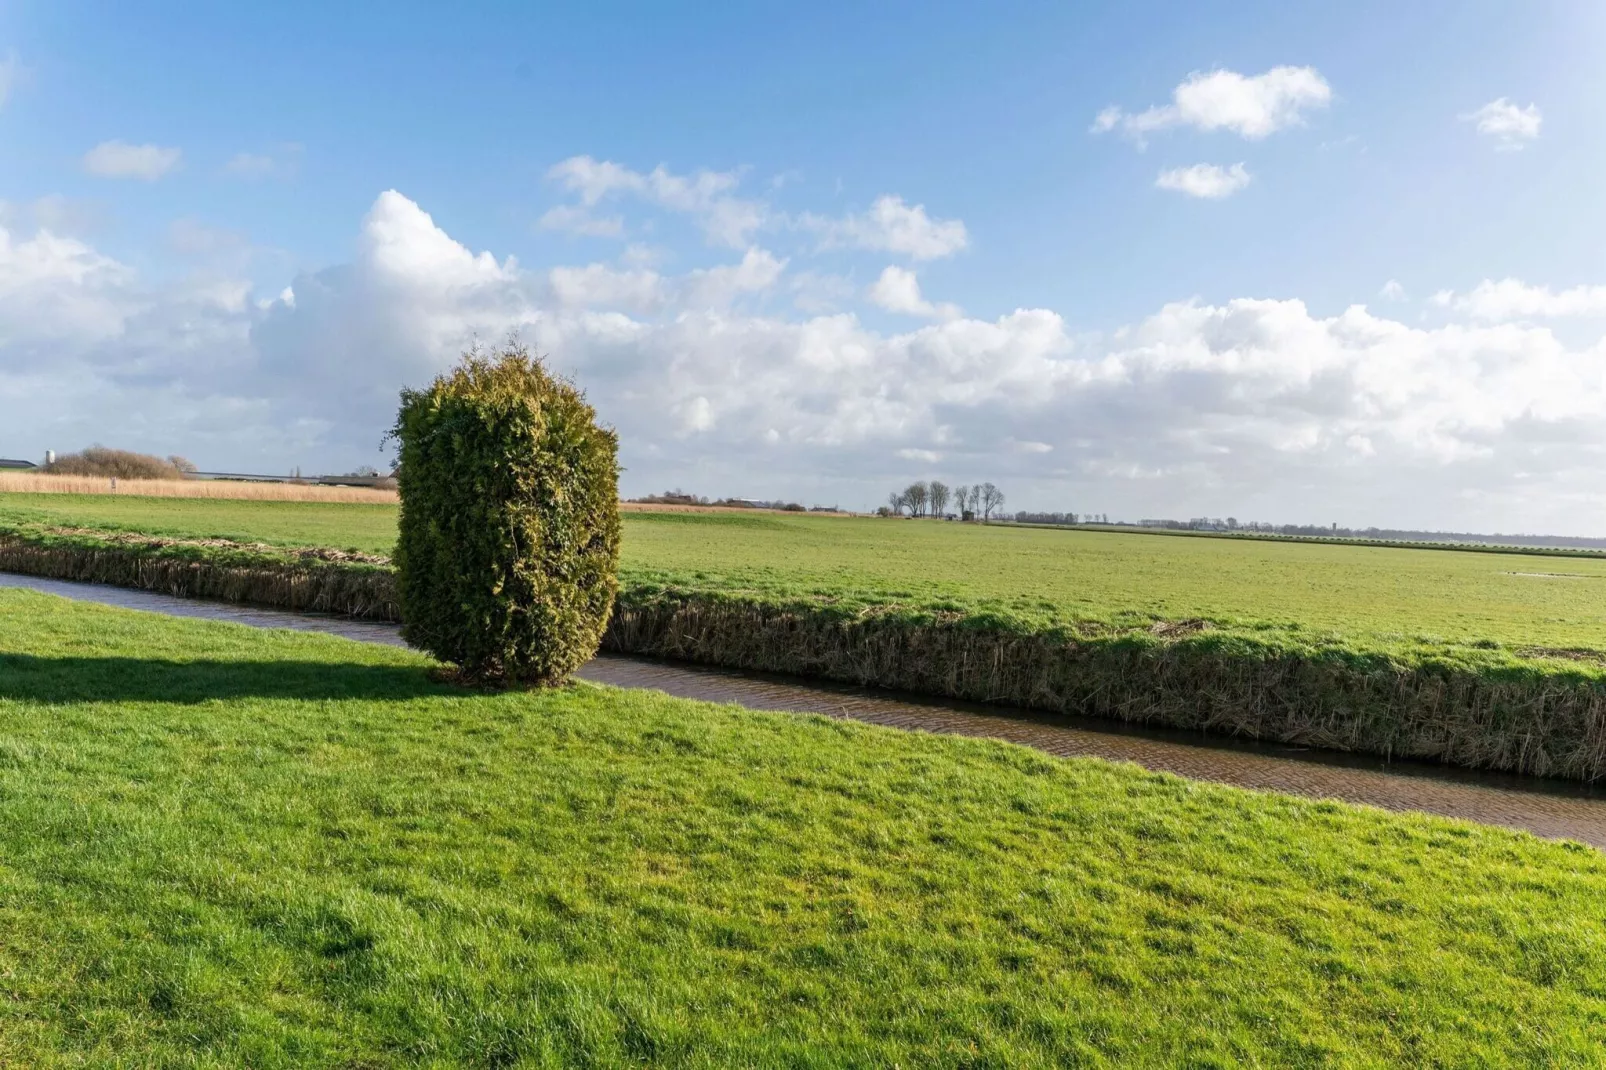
705,195
709,197
644,292
1513,299
1392,291
757,272
118,159
892,226
1251,107
1510,126
1246,404
576,220
1206,180
898,290
635,290
820,292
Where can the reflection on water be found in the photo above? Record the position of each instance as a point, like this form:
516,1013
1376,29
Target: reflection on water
1546,807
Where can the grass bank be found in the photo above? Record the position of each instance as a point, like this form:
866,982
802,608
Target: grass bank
228,847
1489,661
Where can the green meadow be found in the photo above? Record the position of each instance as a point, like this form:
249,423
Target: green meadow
1365,596
225,847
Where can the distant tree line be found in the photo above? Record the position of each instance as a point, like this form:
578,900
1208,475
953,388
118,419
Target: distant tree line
119,464
983,501
680,497
1062,518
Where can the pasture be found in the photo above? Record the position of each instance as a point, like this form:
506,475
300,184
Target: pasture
226,847
1368,597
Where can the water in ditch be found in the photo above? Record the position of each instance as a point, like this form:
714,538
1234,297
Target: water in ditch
1554,808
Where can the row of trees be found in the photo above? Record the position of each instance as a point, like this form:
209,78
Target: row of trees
1062,518
932,499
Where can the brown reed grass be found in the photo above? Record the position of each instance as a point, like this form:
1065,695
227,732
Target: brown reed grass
38,483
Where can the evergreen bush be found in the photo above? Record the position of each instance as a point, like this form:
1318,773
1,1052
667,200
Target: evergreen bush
509,530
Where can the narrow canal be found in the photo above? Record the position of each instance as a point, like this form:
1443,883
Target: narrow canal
1553,808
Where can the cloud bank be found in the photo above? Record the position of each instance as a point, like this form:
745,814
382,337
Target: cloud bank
1255,406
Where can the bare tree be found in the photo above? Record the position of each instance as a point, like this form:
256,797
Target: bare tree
938,492
961,498
917,494
992,500
895,502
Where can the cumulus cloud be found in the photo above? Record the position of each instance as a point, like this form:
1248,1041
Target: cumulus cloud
1392,291
644,291
1513,299
1205,180
1194,408
1250,106
898,290
119,159
892,226
1511,127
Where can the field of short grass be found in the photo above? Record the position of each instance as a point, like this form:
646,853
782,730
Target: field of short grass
367,528
224,847
1372,597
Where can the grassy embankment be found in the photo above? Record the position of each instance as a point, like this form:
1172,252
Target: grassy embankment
1486,660
225,847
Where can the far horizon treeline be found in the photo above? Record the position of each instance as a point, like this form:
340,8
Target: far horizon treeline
982,500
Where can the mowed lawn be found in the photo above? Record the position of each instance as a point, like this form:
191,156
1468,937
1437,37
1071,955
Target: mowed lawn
1371,596
224,847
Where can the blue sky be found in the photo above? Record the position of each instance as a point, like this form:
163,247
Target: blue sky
880,244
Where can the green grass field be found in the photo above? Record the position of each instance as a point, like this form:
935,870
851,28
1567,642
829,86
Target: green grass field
224,847
1372,597
341,526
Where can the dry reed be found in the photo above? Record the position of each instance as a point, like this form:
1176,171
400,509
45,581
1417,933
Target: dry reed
35,483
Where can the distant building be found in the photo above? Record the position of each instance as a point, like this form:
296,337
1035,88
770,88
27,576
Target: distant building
8,463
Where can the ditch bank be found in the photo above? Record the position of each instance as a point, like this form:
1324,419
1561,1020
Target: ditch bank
1480,709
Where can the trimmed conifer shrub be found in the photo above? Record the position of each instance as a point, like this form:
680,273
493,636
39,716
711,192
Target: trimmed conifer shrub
509,529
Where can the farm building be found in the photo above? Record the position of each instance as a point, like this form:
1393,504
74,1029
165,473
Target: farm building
6,462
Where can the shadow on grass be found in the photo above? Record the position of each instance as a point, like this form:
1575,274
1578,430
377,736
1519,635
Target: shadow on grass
79,679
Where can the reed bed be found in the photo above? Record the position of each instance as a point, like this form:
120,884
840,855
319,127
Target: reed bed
30,483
